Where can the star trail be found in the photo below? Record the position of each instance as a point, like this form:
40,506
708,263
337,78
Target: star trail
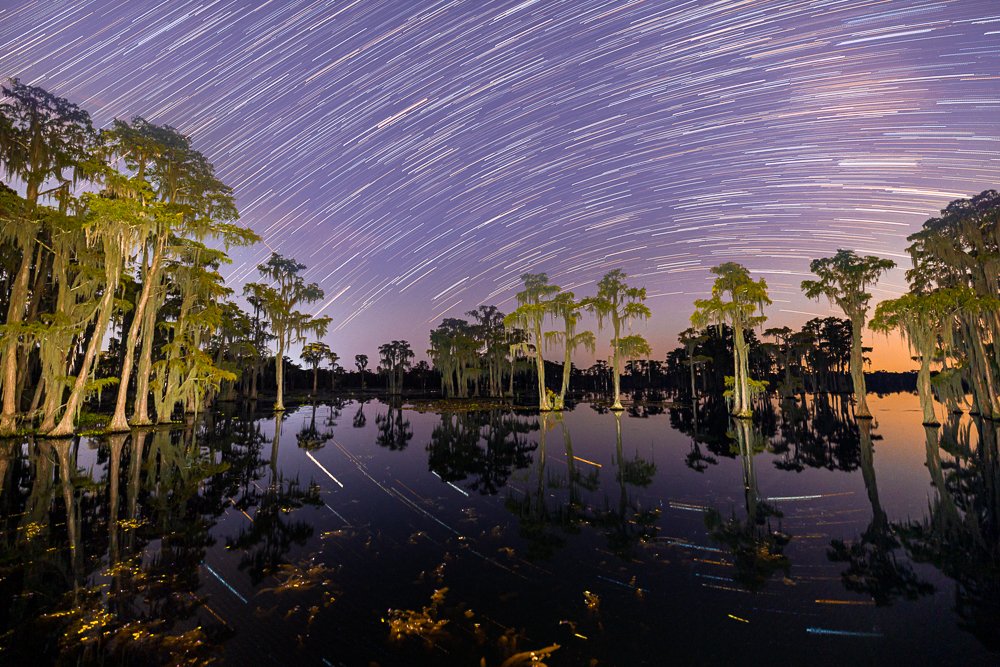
419,156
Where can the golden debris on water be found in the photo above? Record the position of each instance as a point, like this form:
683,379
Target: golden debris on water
534,658
424,623
131,524
32,529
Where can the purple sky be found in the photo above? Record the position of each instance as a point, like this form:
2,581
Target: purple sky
419,156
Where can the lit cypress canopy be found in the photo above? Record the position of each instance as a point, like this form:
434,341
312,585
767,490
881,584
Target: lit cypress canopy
961,248
844,279
737,300
534,303
565,307
43,139
180,198
280,299
618,302
926,320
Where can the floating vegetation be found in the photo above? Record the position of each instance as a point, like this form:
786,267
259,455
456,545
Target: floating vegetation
530,657
456,404
32,529
300,578
131,524
90,634
404,623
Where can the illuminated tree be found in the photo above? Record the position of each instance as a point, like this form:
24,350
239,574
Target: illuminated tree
179,198
44,139
109,228
961,248
454,351
925,320
533,305
620,304
280,300
185,373
844,279
737,300
565,307
494,347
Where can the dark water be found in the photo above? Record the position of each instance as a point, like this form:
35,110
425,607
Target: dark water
626,540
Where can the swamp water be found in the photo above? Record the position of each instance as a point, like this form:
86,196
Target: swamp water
350,534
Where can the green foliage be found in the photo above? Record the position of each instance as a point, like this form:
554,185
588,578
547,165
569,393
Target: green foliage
737,299
280,299
845,278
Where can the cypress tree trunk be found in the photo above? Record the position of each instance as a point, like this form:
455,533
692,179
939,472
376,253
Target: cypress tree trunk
741,386
119,421
984,391
616,377
67,424
15,314
858,371
567,368
543,400
924,388
279,373
140,413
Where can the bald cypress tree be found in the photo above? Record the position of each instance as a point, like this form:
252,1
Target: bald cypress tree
737,300
533,306
844,279
565,307
45,140
280,298
927,322
313,354
619,304
961,249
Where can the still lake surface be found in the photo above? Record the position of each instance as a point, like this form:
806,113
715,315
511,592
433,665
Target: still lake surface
350,534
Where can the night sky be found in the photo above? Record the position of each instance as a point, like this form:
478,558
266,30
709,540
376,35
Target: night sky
419,156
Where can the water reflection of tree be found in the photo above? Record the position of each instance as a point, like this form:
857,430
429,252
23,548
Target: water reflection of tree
273,532
546,513
873,566
756,546
538,523
817,434
394,430
627,523
336,406
482,447
181,513
960,535
36,561
708,427
111,570
310,437
55,566
359,420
